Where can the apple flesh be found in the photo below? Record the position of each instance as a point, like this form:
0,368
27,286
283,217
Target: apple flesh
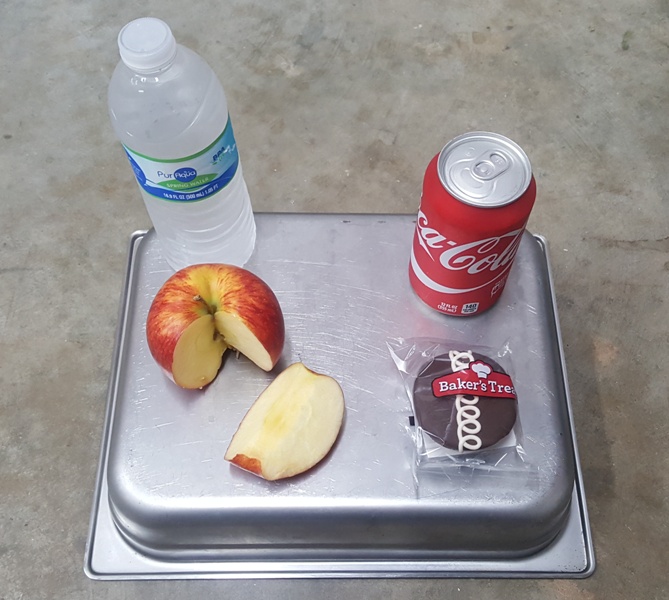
201,311
291,426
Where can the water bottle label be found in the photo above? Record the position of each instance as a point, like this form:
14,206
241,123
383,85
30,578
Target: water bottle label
192,178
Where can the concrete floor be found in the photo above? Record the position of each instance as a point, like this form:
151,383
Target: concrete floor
338,106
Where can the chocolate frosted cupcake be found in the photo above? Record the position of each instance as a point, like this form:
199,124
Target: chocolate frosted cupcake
465,401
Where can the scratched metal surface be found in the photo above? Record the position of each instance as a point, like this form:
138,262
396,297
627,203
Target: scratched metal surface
343,286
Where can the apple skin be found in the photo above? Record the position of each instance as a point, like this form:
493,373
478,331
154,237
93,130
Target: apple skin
230,306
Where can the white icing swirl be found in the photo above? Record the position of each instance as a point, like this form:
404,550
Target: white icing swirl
468,413
458,360
468,423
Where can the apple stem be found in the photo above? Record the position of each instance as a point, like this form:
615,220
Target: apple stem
210,309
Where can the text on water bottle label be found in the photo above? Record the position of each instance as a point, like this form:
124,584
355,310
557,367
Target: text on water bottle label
191,178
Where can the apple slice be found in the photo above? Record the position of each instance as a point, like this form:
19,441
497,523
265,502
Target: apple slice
291,426
203,310
197,354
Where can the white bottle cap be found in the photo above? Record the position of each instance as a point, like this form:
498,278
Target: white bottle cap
147,45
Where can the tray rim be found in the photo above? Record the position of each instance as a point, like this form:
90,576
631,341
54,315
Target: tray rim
447,568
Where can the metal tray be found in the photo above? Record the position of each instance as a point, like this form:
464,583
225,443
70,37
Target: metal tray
168,506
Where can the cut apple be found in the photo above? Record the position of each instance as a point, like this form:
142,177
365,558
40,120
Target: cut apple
203,310
237,335
291,427
198,354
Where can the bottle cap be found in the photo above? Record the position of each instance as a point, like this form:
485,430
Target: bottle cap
146,44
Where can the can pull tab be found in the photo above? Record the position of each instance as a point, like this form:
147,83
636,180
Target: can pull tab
490,165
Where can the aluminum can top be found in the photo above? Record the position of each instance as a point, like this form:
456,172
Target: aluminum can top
484,169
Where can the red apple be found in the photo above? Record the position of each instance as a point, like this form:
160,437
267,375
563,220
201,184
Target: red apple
201,311
291,426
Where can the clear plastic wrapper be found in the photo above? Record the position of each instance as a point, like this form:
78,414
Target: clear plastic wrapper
464,405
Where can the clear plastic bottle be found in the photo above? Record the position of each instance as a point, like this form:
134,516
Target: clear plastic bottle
169,111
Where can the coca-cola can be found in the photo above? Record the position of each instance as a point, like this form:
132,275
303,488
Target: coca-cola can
478,193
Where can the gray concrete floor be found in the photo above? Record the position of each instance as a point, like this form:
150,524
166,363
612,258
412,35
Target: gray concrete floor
338,106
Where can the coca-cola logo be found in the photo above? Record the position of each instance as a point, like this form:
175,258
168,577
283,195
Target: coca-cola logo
428,237
489,254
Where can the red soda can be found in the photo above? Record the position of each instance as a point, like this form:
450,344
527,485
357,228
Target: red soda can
478,193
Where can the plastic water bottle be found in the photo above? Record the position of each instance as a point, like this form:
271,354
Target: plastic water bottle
169,111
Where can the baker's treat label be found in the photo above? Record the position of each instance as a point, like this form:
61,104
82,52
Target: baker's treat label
478,378
465,401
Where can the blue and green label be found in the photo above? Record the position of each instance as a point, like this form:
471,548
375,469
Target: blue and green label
191,178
